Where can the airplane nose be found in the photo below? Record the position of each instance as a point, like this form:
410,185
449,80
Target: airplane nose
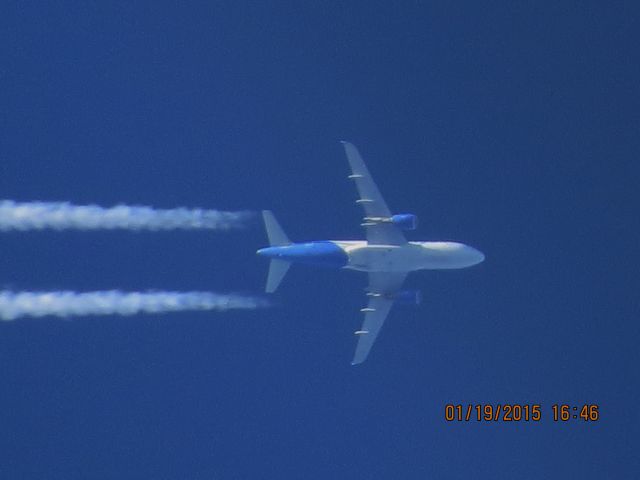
479,256
260,252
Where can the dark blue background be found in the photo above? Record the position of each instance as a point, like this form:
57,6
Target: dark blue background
511,127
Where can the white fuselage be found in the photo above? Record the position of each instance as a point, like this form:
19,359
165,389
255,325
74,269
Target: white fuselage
409,257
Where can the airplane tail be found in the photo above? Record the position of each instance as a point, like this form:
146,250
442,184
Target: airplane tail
277,238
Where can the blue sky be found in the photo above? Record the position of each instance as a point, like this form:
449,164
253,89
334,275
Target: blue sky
513,128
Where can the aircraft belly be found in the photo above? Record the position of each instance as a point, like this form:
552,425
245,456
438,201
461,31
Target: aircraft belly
382,258
409,257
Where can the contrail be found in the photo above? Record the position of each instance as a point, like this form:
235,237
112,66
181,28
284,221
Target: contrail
65,304
65,216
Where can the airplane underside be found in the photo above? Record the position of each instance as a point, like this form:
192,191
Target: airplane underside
385,255
409,257
359,255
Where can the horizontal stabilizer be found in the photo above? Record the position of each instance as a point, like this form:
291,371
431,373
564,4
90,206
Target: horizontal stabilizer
277,237
277,271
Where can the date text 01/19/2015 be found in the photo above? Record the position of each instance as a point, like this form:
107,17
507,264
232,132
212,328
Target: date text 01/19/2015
514,412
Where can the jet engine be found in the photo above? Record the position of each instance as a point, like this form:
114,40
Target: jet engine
408,297
404,221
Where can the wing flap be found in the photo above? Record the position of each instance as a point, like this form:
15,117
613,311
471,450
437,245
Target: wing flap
370,196
382,285
373,321
372,201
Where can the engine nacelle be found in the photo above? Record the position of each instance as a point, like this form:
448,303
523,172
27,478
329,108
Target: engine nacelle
405,221
408,297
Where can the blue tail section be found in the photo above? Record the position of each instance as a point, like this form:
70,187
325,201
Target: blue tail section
322,254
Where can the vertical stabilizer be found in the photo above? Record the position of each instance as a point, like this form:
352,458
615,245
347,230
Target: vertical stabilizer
277,237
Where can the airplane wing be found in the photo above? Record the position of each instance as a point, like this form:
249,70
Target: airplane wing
372,201
382,286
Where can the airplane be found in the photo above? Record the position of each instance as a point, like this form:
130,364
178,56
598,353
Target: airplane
385,255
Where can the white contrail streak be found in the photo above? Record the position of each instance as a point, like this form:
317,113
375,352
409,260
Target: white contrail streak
64,216
15,305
